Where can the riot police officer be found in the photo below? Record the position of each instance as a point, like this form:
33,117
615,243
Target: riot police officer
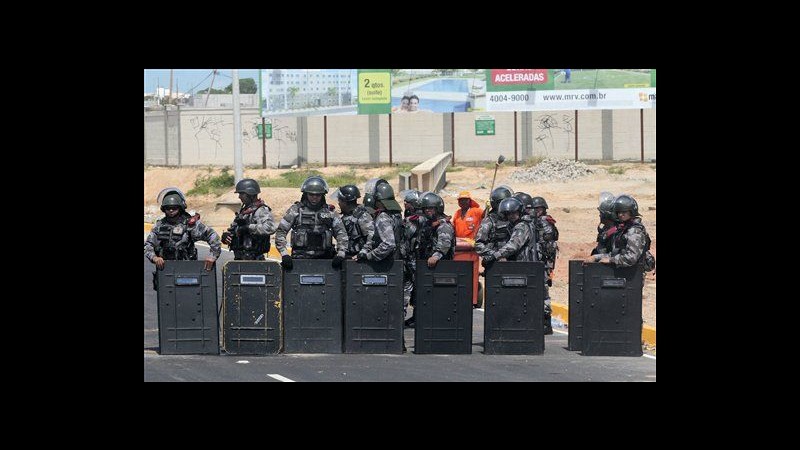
493,232
607,227
412,223
357,221
520,246
248,235
631,243
547,243
313,225
386,242
437,238
173,236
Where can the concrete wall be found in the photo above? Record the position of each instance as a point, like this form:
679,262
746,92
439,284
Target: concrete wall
204,136
160,148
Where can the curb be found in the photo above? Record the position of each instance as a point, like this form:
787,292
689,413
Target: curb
562,312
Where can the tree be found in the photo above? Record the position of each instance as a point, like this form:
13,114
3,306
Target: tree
246,86
215,91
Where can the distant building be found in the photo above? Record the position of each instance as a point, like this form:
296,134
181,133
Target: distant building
287,89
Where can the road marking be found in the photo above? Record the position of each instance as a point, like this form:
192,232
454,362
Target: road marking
649,356
280,378
559,331
243,361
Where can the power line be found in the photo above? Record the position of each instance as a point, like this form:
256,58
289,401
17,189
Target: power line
203,81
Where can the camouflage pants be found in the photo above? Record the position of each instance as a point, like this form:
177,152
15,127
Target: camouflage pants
409,269
547,283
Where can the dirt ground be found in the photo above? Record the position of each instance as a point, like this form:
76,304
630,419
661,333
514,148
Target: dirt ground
573,204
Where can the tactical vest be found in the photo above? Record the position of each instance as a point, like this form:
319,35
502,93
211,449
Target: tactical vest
500,232
175,241
410,240
312,233
356,238
427,242
605,243
251,245
397,229
621,241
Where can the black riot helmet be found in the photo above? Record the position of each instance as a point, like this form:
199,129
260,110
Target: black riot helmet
431,200
369,201
498,194
385,194
606,207
525,199
411,196
508,205
173,200
314,185
170,190
247,186
349,193
538,202
372,184
626,203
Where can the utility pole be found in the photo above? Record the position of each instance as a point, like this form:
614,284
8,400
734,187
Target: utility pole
170,85
213,75
237,128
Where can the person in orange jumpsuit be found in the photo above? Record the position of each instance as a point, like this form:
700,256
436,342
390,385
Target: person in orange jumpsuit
467,220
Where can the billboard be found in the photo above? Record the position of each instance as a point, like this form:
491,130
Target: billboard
555,89
296,92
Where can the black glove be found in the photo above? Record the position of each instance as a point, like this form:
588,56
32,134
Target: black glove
286,262
488,261
362,256
241,221
337,262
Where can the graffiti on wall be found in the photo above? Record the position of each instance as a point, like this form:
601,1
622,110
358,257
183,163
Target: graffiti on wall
208,127
549,127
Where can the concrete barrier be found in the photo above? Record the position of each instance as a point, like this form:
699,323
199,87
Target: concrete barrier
428,175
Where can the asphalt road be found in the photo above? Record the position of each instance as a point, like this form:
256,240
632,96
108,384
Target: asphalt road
556,364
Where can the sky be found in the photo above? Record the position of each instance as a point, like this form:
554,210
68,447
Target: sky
185,79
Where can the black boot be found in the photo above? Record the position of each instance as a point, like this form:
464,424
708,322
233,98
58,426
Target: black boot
548,324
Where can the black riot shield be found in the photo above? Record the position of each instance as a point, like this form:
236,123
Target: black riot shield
251,312
513,319
612,310
444,308
312,307
575,338
373,307
187,309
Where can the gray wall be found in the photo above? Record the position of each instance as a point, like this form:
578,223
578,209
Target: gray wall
204,136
